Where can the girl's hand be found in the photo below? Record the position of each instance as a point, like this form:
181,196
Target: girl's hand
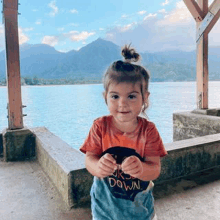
106,165
132,166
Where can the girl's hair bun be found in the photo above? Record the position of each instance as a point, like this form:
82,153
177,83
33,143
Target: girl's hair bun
130,54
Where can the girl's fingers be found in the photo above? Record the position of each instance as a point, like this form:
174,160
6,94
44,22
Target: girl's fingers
131,169
128,161
106,167
107,163
109,158
132,165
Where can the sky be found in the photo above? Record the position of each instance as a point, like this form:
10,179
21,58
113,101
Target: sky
150,26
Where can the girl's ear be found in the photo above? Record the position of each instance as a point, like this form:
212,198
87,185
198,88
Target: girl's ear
146,96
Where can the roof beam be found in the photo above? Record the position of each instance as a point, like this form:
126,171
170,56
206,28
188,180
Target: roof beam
210,19
195,10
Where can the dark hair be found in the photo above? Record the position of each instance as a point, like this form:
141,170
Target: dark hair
125,71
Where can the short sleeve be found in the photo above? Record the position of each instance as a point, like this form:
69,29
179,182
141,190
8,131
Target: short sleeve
93,142
154,144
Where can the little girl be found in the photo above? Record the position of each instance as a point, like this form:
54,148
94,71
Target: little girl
122,149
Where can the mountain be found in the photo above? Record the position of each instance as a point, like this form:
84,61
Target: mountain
90,62
33,59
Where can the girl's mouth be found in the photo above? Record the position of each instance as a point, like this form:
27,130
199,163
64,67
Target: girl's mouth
124,112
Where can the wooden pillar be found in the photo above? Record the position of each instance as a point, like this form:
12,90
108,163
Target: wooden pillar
15,116
205,18
202,62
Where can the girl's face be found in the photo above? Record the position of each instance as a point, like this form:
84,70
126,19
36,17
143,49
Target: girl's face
125,101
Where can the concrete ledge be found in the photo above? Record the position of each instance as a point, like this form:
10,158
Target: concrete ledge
195,124
64,166
213,112
190,156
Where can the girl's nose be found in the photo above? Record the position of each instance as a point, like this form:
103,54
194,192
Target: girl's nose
122,102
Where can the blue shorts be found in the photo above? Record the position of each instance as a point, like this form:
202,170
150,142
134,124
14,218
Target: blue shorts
106,207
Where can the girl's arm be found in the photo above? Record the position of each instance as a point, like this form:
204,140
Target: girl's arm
151,169
100,167
146,171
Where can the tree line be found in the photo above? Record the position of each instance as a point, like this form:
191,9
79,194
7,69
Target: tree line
41,81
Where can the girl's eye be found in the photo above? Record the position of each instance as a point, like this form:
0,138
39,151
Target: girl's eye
114,96
131,96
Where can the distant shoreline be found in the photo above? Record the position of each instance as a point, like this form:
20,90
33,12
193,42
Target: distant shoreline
24,85
58,84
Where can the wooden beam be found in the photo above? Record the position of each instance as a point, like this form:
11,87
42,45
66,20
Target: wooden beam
10,12
214,7
202,63
194,9
210,19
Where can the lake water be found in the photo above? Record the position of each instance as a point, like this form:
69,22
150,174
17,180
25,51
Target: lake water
69,110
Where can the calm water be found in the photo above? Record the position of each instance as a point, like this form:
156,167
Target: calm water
68,111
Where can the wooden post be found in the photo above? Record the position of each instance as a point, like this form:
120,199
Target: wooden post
206,17
202,63
15,117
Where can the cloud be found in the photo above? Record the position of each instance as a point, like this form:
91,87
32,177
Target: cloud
50,40
127,27
73,24
79,36
60,29
23,38
2,38
124,16
174,30
74,11
28,29
214,35
165,3
54,8
142,12
38,22
178,16
163,11
150,16
1,29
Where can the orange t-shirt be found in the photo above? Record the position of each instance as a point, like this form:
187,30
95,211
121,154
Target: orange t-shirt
103,135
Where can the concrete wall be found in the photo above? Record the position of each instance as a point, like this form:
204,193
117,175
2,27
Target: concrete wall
66,169
18,144
64,166
190,156
195,124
